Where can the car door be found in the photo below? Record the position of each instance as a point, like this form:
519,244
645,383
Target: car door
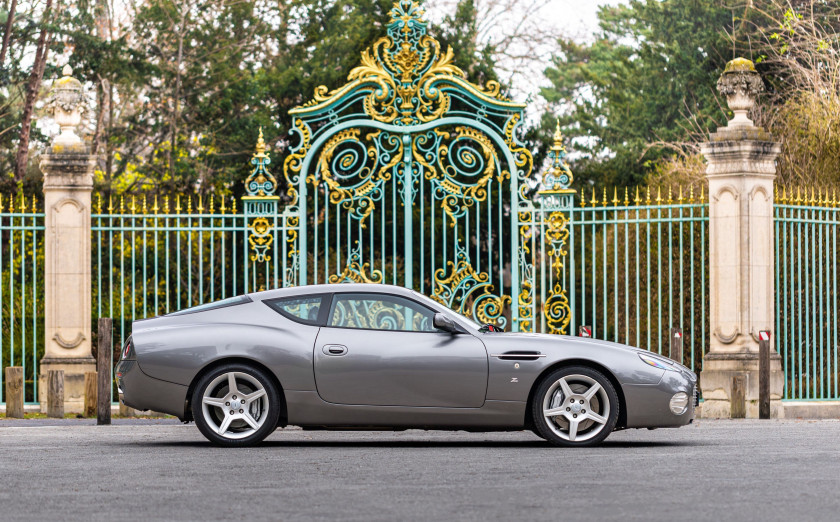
383,350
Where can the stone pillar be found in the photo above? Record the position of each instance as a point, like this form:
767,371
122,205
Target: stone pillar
68,182
741,169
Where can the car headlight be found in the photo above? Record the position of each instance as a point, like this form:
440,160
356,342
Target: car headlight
679,403
657,362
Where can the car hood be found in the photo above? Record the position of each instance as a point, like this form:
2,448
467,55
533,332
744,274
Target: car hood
552,343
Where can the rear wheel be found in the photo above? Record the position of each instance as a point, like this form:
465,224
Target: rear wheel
236,405
575,406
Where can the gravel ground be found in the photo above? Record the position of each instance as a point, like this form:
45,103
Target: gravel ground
161,470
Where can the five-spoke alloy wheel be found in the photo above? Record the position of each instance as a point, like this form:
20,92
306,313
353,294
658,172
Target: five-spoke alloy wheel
575,406
236,405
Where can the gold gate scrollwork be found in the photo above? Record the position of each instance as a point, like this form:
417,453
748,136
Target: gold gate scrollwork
459,283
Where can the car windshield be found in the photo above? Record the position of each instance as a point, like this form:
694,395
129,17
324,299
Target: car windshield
462,317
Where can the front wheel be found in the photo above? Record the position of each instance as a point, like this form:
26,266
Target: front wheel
236,405
575,406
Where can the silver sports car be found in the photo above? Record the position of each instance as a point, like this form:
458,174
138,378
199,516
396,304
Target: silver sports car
384,357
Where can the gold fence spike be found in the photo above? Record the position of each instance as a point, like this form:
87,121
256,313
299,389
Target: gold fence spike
813,199
594,200
670,198
647,199
615,197
637,200
166,204
626,198
775,193
155,208
98,202
145,204
798,196
681,198
223,206
784,195
702,193
178,204
1,203
691,193
212,206
11,203
834,198
110,203
659,195
604,201
582,198
233,210
200,206
189,204
22,202
133,204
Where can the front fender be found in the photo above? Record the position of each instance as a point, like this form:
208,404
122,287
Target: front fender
513,380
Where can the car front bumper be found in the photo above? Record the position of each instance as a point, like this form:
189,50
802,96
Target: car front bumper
648,405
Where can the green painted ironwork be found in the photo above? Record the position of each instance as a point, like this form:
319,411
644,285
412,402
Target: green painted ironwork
21,291
807,309
629,268
155,255
410,175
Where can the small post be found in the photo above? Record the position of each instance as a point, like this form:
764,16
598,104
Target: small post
90,394
675,349
103,370
14,392
584,331
764,374
738,400
55,394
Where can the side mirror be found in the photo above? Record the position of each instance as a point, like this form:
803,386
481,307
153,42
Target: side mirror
444,323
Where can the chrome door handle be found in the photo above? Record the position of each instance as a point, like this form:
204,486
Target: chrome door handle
334,349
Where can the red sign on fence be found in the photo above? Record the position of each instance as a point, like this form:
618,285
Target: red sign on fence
585,331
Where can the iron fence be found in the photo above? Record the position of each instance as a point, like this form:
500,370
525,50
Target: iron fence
806,260
632,267
21,291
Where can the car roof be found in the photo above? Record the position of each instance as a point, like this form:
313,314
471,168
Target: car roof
332,288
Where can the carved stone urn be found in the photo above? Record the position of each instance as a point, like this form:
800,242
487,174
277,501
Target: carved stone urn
66,100
741,84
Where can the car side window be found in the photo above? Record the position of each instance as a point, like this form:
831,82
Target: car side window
380,312
301,309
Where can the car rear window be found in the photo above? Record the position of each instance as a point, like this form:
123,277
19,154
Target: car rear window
224,303
306,309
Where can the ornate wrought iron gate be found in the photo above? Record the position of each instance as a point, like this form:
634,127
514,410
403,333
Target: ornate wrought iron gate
410,175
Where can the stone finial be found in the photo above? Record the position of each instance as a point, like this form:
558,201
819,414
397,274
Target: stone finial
67,101
740,83
559,176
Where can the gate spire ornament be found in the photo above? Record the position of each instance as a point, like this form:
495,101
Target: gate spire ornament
556,203
261,215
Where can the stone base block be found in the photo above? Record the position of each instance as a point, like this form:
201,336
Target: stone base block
716,383
812,409
74,381
717,409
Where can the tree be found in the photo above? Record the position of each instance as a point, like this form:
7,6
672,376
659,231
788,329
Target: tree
644,88
33,87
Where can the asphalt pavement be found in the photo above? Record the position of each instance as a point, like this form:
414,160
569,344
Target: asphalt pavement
161,470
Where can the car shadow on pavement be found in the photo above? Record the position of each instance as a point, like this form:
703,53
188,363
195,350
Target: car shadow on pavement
420,444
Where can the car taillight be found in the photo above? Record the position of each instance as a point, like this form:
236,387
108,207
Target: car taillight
128,350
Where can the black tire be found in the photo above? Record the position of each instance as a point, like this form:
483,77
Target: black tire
243,374
579,377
